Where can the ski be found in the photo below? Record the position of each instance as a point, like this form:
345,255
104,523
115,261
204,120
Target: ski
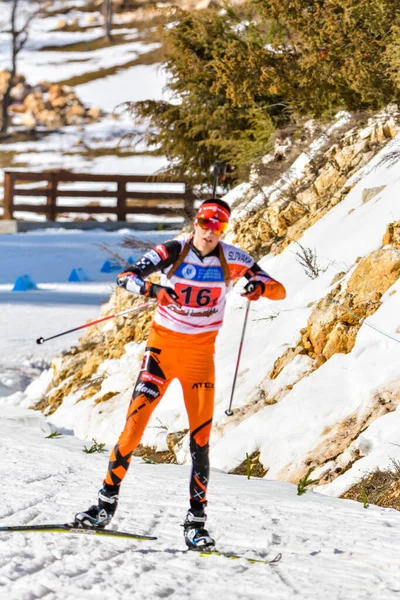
73,528
233,556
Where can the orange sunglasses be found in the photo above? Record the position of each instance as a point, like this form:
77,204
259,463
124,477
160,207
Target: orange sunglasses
217,227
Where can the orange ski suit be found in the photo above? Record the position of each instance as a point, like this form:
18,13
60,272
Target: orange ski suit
190,359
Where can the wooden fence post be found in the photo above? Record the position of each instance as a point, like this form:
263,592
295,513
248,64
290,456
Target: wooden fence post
52,197
189,204
121,201
8,196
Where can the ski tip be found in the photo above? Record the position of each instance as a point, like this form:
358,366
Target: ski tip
276,559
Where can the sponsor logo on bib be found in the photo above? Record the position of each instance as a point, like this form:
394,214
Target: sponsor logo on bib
189,271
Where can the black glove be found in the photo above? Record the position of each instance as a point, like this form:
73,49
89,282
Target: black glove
164,295
253,290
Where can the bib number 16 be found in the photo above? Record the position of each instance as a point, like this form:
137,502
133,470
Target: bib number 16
195,296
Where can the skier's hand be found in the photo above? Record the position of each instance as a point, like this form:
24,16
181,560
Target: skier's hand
253,290
131,282
164,295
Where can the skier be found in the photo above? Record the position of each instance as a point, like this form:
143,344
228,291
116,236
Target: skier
197,273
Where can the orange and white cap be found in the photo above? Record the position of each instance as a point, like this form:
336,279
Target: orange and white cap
214,212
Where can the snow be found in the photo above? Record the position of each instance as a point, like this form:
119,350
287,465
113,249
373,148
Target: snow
143,82
49,256
330,548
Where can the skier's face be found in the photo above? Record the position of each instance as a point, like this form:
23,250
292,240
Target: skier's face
205,240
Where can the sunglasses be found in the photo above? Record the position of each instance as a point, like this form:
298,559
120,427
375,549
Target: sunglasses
217,227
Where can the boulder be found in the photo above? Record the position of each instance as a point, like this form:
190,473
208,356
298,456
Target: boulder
374,274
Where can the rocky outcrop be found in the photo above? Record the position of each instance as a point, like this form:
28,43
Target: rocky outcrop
46,104
274,226
333,324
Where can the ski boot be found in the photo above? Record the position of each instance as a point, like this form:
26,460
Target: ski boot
99,516
195,534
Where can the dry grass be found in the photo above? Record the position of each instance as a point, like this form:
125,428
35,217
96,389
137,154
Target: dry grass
251,467
152,456
381,488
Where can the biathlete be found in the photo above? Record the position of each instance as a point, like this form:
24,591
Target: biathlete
197,274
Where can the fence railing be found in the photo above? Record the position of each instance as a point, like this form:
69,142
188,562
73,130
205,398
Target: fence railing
150,201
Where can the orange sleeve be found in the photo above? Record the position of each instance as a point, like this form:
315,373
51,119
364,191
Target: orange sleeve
274,290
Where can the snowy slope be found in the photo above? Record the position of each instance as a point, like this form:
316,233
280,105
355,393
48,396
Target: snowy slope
332,549
286,433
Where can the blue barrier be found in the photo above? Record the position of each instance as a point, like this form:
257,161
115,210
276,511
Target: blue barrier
24,283
111,265
78,275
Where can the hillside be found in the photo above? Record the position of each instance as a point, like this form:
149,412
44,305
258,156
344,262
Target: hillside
317,386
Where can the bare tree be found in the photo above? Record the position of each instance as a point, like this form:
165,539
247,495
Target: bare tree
108,19
19,31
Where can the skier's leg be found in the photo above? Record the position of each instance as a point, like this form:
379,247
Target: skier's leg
150,387
198,388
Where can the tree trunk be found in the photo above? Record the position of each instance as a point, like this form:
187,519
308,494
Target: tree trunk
14,53
108,17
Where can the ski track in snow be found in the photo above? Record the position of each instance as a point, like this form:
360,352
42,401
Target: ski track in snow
331,548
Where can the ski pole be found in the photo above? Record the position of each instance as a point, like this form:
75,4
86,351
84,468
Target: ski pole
229,411
219,173
42,340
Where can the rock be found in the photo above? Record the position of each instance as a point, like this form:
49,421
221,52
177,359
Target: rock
370,193
17,109
43,87
56,91
76,110
50,119
375,274
90,19
4,79
340,340
29,121
35,102
94,113
337,277
59,102
20,91
346,158
293,212
61,24
321,322
276,221
328,178
392,235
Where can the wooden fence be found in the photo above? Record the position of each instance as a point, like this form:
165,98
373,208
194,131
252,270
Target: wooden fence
152,201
